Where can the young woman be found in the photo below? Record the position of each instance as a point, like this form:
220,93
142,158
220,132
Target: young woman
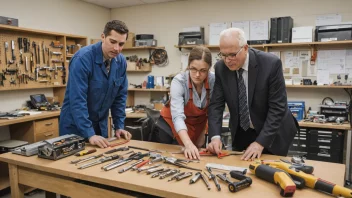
190,93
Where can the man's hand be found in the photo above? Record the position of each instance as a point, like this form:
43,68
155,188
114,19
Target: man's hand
215,146
99,141
253,151
191,151
127,135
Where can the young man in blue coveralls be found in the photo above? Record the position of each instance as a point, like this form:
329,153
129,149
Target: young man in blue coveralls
97,82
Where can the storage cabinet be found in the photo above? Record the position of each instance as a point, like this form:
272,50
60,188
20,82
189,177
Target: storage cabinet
36,130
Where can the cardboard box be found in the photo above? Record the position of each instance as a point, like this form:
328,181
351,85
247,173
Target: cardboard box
130,40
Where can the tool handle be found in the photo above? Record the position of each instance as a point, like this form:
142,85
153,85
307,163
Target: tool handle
119,143
142,164
134,147
332,188
110,151
306,169
85,152
195,178
238,175
275,176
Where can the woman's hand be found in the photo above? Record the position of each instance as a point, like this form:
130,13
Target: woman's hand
191,151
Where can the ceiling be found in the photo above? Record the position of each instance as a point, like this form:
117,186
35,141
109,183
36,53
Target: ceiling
124,3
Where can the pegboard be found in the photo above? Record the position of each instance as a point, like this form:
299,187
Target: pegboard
38,69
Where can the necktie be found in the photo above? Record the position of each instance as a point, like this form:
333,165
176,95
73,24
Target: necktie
107,65
242,96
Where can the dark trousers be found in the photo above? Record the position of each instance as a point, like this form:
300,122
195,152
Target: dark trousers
244,138
163,132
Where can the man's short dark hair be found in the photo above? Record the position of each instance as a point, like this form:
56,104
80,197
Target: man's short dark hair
119,26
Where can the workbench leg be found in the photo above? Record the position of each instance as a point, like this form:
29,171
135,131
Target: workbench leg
17,190
348,155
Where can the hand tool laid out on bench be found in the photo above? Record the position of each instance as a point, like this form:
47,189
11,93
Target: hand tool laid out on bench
99,161
79,161
85,152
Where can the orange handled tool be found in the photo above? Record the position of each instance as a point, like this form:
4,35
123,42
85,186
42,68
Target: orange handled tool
85,152
119,143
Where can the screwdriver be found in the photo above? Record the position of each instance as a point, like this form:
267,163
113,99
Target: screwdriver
85,152
79,161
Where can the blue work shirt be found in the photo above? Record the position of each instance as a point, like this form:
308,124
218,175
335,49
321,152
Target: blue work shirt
91,91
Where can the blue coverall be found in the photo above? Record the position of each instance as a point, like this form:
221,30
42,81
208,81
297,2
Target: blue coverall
91,92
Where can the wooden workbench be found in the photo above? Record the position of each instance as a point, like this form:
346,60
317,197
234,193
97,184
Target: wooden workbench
58,176
43,115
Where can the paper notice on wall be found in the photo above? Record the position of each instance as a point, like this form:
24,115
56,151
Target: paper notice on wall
292,61
184,61
288,54
332,60
244,25
348,62
328,19
323,77
259,30
214,32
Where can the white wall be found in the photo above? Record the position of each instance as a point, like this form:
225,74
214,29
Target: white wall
166,20
66,16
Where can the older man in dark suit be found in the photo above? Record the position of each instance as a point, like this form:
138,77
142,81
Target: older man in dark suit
252,85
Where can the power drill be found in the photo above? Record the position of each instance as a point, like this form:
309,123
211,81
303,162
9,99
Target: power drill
275,176
311,181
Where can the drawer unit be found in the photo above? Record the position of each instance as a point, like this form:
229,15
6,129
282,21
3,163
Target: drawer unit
36,130
323,154
300,141
46,135
333,139
325,145
46,125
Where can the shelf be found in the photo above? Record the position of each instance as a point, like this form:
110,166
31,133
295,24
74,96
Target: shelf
319,86
349,42
136,115
31,87
192,46
4,182
142,48
69,55
325,125
155,90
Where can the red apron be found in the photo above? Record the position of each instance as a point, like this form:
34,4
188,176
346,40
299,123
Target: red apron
196,119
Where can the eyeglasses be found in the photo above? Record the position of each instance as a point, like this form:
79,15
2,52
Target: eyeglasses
194,70
230,55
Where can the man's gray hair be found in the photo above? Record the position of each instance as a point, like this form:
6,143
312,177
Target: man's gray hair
237,33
